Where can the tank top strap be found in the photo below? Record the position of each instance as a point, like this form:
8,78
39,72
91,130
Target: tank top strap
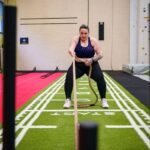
89,42
79,40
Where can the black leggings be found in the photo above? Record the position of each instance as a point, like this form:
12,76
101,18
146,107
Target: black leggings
81,69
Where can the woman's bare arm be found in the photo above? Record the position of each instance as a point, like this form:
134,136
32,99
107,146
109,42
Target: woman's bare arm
97,49
73,44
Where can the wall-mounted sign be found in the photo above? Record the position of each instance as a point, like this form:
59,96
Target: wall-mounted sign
24,40
101,30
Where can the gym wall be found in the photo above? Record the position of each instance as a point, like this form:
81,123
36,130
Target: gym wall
139,32
115,14
49,26
143,39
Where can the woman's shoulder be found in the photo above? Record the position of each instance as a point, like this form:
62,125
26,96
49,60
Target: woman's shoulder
92,39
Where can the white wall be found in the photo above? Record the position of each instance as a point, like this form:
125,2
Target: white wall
143,32
101,11
133,31
139,32
48,44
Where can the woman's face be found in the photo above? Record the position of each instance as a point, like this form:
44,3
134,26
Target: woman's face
83,34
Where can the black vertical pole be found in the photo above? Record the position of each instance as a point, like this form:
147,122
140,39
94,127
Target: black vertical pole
149,31
88,136
9,78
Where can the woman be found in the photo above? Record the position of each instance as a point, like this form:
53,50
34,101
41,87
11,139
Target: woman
87,52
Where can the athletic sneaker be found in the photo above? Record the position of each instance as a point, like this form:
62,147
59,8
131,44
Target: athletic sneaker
67,104
104,103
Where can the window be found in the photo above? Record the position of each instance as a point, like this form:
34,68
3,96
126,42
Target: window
1,17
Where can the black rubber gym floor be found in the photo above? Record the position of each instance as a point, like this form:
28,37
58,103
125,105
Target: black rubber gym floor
136,86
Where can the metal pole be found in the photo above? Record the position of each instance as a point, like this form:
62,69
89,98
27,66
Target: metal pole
9,78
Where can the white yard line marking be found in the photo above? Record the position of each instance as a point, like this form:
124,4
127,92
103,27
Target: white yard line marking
60,93
129,117
79,93
84,81
84,100
24,130
83,88
68,113
80,100
55,114
83,84
84,113
123,126
72,113
118,100
58,100
109,113
96,114
82,110
40,127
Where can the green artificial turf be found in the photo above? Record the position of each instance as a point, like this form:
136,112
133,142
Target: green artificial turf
62,137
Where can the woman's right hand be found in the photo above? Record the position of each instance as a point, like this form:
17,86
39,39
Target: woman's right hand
83,60
72,53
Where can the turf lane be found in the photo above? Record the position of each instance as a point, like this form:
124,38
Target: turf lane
63,136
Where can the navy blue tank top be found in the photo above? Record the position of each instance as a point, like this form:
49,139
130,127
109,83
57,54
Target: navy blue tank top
84,52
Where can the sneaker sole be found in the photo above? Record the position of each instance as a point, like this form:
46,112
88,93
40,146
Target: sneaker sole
106,107
66,107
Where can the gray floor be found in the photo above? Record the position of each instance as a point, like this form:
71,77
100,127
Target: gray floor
143,77
136,86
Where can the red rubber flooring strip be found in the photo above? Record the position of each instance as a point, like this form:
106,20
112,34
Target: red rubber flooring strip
27,86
